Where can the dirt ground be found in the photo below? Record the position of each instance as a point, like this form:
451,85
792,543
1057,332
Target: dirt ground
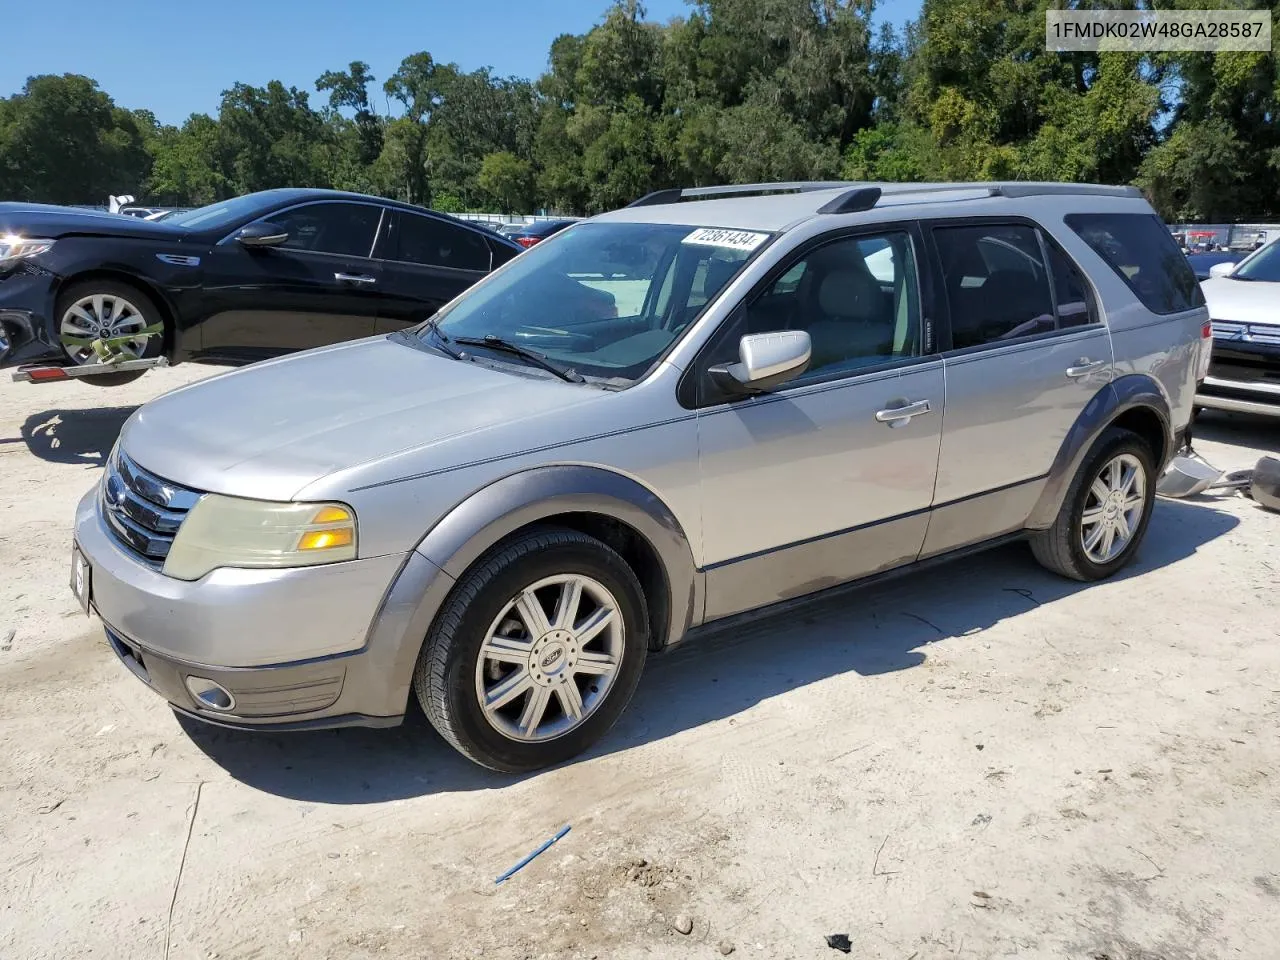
983,761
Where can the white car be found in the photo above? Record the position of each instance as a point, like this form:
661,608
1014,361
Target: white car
1244,303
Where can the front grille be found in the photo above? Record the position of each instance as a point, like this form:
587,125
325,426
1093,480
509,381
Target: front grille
142,510
1246,332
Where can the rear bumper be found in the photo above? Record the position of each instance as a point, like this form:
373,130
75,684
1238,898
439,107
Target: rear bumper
25,318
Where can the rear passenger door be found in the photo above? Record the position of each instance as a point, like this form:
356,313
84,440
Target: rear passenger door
1025,351
426,262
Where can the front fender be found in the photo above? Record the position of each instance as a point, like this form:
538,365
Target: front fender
1130,392
516,501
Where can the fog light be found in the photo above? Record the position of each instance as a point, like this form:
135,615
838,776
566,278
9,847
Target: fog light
210,694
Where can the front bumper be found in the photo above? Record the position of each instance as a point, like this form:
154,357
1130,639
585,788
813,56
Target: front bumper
1244,377
26,297
315,646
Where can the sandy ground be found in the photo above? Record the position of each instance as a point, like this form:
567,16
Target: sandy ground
984,761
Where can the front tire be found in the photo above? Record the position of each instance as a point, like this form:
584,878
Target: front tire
1105,513
108,308
536,653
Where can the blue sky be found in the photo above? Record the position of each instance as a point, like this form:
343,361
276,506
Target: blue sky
125,44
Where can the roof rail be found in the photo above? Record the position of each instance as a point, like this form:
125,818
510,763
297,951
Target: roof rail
1059,189
676,194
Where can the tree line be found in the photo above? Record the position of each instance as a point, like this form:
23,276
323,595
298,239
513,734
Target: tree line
736,91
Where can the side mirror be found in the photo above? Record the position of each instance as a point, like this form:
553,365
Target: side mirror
1221,269
765,360
262,234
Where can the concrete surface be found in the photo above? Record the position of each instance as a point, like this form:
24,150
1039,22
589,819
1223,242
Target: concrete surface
983,761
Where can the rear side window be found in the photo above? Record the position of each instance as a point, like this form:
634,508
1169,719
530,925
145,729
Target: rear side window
435,243
995,282
1140,249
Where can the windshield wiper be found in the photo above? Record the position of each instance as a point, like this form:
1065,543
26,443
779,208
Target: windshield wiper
506,346
442,341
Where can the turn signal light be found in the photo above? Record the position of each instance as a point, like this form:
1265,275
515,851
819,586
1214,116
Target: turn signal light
326,539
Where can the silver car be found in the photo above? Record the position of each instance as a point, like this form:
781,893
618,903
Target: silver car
708,404
1244,301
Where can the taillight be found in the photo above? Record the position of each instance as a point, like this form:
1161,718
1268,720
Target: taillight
1206,351
526,242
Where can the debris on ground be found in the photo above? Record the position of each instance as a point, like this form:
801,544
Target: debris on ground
683,924
839,941
726,948
7,643
527,860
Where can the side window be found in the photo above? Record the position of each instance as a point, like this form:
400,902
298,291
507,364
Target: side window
342,228
436,243
1070,291
1141,251
995,283
858,299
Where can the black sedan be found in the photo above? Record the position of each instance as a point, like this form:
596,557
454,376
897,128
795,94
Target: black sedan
234,282
527,234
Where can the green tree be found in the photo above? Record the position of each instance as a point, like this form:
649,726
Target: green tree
63,140
507,181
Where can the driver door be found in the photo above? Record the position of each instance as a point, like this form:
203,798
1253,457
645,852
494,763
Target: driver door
830,476
320,286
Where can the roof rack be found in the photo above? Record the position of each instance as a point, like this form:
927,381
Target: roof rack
861,195
676,194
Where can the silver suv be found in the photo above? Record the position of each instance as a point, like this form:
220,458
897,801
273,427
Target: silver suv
709,403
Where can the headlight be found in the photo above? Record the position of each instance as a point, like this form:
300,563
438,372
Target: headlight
230,532
14,247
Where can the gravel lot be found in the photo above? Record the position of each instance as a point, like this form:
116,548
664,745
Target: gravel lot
983,761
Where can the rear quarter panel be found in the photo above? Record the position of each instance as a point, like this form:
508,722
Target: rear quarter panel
1166,348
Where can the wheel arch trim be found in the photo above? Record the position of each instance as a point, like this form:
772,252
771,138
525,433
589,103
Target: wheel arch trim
496,511
423,584
1127,393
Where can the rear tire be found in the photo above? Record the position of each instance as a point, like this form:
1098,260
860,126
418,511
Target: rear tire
137,309
503,693
1105,514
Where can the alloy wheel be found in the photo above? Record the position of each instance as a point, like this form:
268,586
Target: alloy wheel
102,316
550,658
1113,508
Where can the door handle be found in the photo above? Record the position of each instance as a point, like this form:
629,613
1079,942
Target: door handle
896,416
1084,367
353,278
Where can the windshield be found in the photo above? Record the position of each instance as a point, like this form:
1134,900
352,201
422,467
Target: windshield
220,214
605,299
1263,265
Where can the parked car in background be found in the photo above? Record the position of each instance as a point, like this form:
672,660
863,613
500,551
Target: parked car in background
1201,263
1244,303
505,509
233,282
527,234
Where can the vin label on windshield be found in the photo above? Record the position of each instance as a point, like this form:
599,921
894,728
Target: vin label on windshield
719,237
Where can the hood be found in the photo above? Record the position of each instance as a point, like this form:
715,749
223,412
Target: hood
52,222
1243,301
268,430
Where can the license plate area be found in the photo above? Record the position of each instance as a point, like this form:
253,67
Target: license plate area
81,579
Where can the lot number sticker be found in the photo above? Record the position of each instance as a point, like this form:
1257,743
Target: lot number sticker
718,237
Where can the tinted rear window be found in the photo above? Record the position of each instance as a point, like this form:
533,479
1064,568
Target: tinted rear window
1140,249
